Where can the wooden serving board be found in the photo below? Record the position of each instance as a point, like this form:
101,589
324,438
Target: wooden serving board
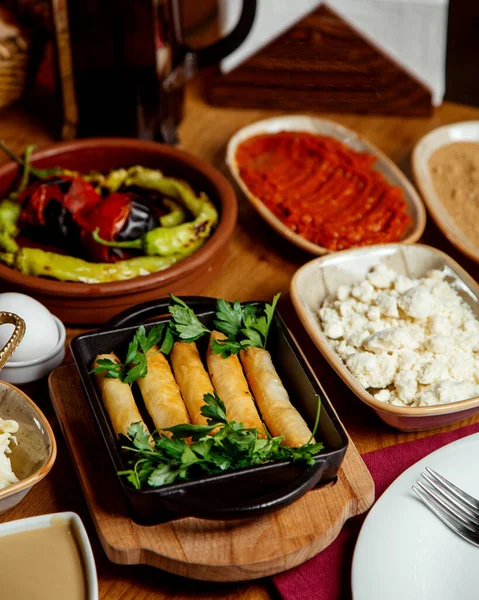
196,548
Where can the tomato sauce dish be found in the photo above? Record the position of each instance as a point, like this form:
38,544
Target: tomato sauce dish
322,186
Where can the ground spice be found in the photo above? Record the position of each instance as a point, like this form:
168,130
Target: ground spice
455,174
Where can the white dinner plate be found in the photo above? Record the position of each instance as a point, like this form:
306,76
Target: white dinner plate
404,551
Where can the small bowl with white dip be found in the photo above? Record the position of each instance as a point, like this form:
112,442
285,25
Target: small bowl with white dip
27,446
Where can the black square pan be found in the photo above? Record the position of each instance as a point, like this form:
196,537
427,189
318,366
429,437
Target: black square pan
238,494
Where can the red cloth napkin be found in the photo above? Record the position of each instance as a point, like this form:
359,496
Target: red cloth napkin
327,576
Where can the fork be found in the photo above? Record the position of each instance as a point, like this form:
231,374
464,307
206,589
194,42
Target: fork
457,509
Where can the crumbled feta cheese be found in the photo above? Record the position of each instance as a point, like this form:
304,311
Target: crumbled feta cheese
364,291
387,305
372,370
343,292
440,344
405,384
418,302
380,276
410,341
403,284
389,340
383,395
374,313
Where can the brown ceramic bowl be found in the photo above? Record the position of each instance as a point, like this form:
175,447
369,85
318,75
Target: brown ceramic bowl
82,303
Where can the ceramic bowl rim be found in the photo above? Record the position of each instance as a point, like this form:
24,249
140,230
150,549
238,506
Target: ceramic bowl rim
43,471
333,359
44,521
431,198
62,336
276,223
227,204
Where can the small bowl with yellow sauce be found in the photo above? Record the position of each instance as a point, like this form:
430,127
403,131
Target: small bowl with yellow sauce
446,169
47,557
27,446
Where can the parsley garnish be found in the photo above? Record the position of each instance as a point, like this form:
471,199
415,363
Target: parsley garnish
135,365
245,326
186,324
231,447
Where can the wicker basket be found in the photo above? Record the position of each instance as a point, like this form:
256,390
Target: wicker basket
15,68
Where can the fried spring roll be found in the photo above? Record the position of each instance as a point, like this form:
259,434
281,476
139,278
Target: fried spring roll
278,413
161,393
230,383
118,399
192,378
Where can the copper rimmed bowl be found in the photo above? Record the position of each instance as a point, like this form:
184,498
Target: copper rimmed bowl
85,303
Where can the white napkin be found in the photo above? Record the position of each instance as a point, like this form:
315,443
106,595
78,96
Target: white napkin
411,32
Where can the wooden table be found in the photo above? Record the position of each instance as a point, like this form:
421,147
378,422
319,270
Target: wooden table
259,264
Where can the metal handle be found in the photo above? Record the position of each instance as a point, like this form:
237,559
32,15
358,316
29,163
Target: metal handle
194,60
16,337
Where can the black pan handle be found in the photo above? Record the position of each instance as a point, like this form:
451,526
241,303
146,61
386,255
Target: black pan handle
267,501
140,313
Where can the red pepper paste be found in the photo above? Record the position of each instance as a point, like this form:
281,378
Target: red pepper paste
322,189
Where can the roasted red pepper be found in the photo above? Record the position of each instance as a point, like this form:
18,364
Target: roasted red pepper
66,210
34,211
109,217
80,200
75,194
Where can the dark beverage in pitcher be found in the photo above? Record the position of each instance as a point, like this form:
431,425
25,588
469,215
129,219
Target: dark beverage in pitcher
122,66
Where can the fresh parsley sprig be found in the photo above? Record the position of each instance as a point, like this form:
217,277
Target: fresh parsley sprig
186,325
245,326
136,365
230,447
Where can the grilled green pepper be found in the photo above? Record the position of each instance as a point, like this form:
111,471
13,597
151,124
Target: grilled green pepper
176,216
10,209
29,169
9,215
165,241
36,262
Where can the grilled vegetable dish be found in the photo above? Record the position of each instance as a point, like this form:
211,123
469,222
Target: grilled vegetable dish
206,419
100,227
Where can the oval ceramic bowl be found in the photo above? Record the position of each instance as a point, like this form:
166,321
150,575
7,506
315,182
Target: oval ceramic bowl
321,277
81,536
83,303
33,457
384,165
423,150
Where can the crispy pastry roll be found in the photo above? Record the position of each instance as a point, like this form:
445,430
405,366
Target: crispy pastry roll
192,378
161,393
230,383
118,399
279,414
